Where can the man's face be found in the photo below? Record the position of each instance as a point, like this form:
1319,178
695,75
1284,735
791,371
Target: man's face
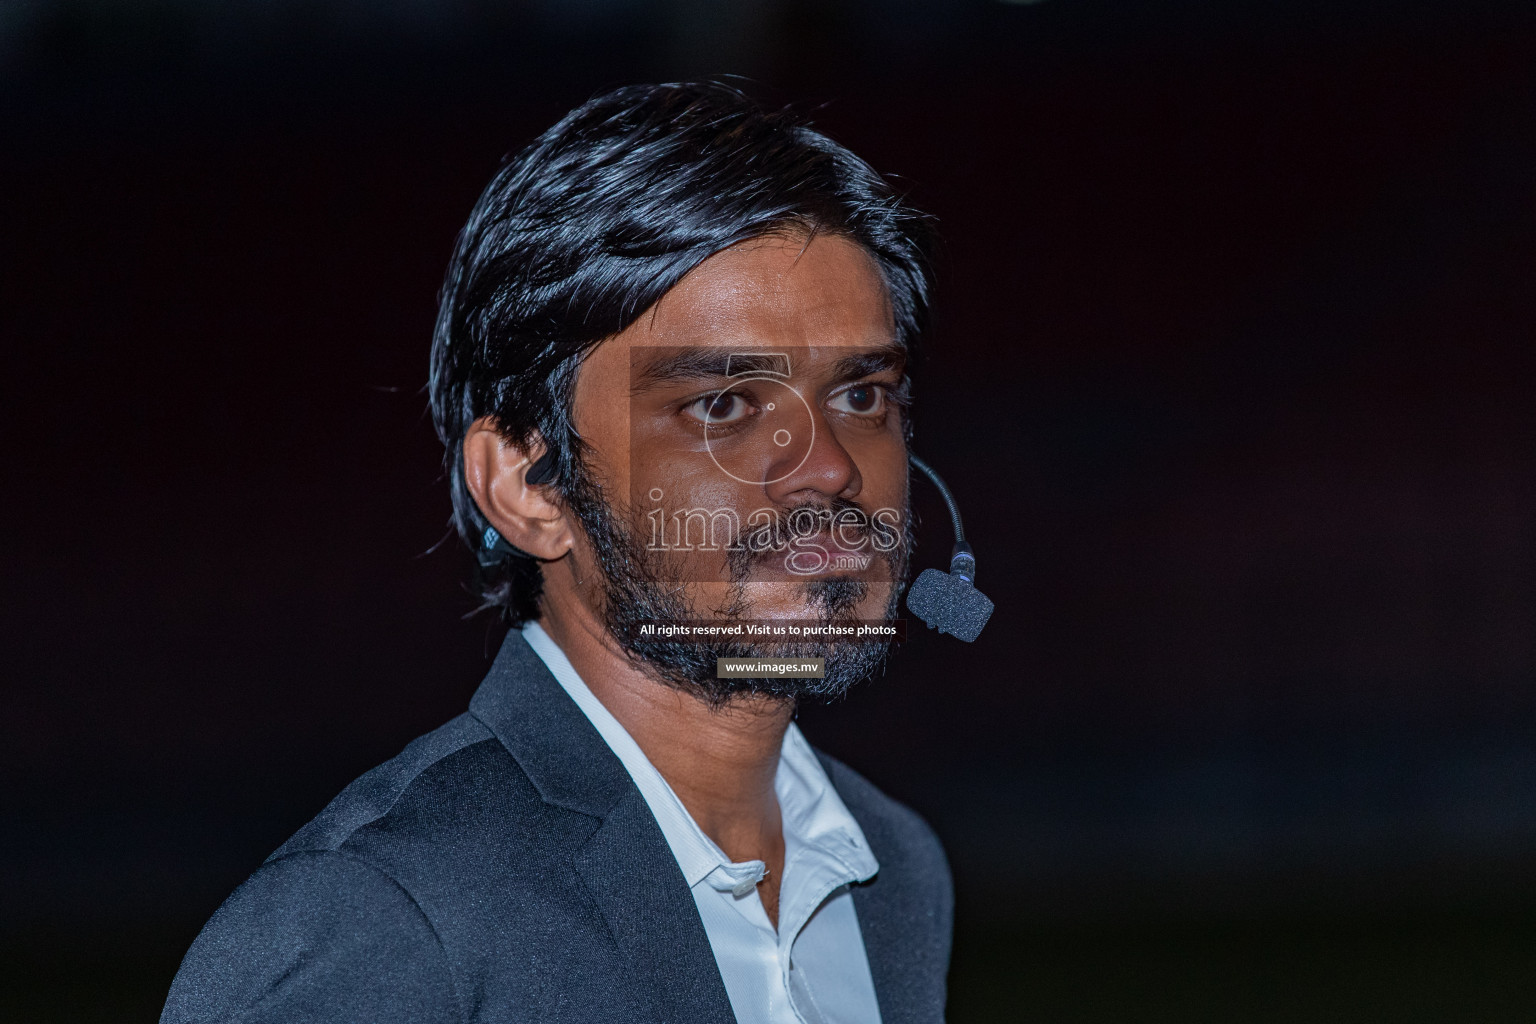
747,437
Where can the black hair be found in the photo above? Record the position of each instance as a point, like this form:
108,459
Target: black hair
592,223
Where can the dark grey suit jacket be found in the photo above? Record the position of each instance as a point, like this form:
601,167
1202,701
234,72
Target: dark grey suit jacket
505,868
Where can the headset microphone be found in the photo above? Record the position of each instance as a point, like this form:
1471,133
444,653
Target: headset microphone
946,601
949,601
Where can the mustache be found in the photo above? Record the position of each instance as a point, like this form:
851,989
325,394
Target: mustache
774,537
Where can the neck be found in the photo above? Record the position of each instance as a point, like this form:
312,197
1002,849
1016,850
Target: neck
721,761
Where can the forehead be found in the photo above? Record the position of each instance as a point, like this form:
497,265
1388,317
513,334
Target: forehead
783,289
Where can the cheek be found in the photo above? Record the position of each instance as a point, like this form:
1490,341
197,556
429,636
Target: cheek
882,464
690,482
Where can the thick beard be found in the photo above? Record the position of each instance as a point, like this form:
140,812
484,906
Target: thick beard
637,589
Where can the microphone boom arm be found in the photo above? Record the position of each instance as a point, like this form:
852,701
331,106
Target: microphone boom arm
950,602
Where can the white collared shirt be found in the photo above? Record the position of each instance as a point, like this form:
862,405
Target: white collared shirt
813,968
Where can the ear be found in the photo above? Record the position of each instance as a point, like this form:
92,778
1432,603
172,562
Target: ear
528,515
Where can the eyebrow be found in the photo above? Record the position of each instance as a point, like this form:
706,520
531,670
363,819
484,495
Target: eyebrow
865,364
706,363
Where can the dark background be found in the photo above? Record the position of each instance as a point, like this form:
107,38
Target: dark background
1232,376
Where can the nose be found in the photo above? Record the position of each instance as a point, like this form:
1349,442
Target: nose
828,471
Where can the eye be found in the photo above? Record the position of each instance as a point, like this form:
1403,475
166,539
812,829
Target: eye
719,410
860,400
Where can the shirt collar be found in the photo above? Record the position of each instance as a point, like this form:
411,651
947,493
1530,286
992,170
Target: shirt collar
819,832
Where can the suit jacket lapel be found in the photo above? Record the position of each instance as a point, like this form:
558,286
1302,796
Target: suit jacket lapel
897,941
631,873
626,863
880,925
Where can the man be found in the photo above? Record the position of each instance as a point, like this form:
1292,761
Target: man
669,372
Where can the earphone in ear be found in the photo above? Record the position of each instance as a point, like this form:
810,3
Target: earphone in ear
543,469
493,546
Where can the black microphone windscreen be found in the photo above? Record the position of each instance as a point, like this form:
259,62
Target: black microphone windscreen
949,604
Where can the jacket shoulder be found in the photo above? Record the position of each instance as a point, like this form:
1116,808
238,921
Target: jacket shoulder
302,940
383,791
365,906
